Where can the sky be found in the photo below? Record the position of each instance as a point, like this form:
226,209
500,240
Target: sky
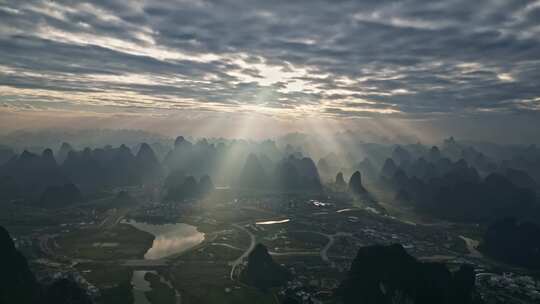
262,68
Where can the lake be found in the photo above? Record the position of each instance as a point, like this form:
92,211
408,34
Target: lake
169,239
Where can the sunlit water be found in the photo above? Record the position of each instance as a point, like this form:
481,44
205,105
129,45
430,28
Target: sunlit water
273,222
169,238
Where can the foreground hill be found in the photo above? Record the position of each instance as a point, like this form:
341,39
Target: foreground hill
388,274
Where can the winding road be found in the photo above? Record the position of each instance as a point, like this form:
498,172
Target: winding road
332,239
323,252
245,254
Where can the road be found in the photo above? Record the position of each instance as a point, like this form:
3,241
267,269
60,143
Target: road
471,246
245,254
332,239
323,253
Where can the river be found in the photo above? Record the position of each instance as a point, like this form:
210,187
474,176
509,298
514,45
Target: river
140,286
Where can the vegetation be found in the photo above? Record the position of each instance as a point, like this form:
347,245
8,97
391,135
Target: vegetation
126,242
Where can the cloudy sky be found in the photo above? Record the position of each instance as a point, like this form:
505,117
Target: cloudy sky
454,66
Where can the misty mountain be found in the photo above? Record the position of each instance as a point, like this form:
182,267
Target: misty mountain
112,167
195,159
32,173
340,182
179,187
148,166
63,152
355,184
253,174
6,154
294,174
456,191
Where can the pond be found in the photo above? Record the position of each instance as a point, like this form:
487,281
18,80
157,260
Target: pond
169,239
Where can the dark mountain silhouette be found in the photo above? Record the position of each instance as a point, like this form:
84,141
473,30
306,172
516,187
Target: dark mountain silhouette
455,190
287,177
121,166
6,154
83,168
329,165
9,189
181,142
452,148
184,190
17,282
65,291
401,155
63,152
388,274
195,159
253,175
294,174
32,173
19,285
174,179
340,182
513,242
403,196
434,154
478,160
324,167
148,166
308,171
112,167
179,187
368,169
60,196
262,271
206,185
389,168
355,184
520,178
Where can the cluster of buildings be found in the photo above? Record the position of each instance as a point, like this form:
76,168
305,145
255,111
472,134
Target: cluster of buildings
306,291
508,287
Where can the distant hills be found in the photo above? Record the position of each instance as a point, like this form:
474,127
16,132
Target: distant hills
454,181
456,190
289,174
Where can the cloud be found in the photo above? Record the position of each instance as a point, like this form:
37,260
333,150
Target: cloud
331,58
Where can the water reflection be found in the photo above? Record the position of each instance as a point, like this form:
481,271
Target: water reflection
169,238
140,286
273,222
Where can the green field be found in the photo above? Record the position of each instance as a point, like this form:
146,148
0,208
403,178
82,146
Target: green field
124,242
205,282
